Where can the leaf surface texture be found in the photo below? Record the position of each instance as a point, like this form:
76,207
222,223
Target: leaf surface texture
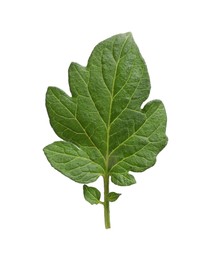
102,123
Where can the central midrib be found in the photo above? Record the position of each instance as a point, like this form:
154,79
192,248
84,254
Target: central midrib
110,109
109,120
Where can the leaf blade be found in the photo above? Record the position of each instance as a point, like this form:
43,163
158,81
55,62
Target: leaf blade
122,178
72,162
146,142
104,116
113,196
91,194
62,111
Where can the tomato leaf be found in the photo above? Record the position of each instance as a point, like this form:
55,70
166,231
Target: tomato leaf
106,131
113,196
91,194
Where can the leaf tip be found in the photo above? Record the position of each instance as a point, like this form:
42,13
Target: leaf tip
72,64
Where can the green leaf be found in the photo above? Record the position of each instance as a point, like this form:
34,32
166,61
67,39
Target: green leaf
91,194
103,118
72,162
122,178
106,129
113,196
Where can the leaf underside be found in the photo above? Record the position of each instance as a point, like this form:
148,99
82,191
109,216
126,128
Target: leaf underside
104,128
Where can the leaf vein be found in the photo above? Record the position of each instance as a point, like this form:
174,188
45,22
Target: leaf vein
80,125
87,85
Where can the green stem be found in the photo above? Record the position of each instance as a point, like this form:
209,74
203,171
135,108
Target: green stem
106,202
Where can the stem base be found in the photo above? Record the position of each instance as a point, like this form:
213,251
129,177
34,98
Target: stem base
106,203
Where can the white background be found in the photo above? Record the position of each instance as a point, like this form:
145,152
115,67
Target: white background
175,211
